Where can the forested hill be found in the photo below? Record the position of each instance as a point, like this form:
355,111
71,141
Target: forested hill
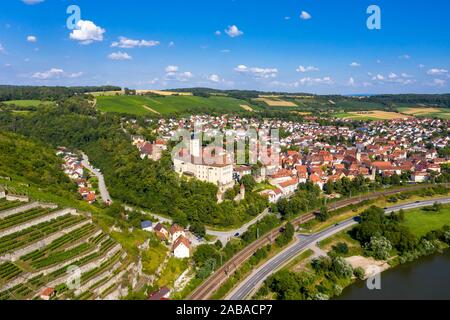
47,93
31,161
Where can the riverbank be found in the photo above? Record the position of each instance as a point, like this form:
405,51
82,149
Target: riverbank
379,243
424,279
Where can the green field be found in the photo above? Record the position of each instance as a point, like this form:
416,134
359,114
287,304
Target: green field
426,112
140,105
421,222
28,103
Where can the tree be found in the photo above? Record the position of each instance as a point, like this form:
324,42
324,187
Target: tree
286,236
249,182
198,229
342,268
323,214
359,273
204,253
379,248
341,248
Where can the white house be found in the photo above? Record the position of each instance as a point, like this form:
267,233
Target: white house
419,177
182,248
272,195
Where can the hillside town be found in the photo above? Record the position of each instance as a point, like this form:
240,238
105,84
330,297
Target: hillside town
307,151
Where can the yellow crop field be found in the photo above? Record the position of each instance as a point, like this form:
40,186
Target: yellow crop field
276,102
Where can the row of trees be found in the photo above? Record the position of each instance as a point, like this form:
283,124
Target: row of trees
47,93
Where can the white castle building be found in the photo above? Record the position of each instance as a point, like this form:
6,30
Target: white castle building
204,165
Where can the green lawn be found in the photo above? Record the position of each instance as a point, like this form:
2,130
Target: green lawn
136,105
421,222
28,103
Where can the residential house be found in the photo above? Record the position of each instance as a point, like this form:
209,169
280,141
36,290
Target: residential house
48,293
182,248
162,294
147,226
176,231
161,232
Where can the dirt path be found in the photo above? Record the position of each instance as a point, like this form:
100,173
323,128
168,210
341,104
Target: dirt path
151,110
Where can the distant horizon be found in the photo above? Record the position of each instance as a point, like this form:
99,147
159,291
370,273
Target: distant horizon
232,89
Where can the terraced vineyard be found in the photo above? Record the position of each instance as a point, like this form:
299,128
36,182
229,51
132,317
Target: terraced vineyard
22,217
6,205
40,255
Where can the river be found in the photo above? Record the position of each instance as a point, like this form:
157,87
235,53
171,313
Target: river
427,278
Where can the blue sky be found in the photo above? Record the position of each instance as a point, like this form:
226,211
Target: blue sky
319,46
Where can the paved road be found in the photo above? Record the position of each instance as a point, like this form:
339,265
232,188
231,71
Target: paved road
251,283
101,179
225,236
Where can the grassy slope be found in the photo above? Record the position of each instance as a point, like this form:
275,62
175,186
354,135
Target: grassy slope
421,222
166,105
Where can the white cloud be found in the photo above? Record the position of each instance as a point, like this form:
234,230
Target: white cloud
225,51
214,78
130,43
184,76
31,39
405,56
315,81
171,69
257,72
421,66
378,77
120,56
355,64
87,32
218,33
439,82
1,48
305,15
171,44
437,72
172,73
287,18
392,76
351,82
303,69
55,73
32,2
233,31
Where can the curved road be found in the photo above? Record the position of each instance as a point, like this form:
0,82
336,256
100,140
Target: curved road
252,283
225,236
101,179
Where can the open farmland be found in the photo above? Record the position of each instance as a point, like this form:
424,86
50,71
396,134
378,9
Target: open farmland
275,102
432,112
372,115
40,243
141,105
28,103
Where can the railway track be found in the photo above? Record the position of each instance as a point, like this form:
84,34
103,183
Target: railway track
210,285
